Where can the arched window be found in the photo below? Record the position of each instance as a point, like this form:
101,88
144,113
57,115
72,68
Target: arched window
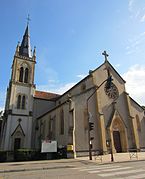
26,75
19,102
138,123
23,102
21,74
61,122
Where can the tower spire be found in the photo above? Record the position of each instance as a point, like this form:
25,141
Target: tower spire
25,48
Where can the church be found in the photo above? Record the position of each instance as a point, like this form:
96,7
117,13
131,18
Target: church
96,114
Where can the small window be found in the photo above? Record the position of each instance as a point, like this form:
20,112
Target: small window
50,131
138,123
19,102
21,74
23,102
85,119
26,75
61,122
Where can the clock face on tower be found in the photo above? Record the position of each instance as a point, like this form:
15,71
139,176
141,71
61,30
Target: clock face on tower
112,92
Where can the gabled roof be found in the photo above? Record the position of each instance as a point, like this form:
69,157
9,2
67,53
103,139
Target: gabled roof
107,62
48,95
45,95
18,126
137,103
113,114
92,72
116,72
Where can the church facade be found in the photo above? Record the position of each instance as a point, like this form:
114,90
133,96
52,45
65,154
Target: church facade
89,116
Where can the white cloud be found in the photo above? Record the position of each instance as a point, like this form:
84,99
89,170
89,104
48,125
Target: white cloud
51,81
44,69
117,65
142,18
64,88
130,5
81,76
137,10
137,15
2,99
135,83
59,89
135,43
130,52
1,109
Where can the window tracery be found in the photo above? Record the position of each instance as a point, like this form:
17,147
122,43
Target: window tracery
21,74
21,101
24,73
61,122
138,123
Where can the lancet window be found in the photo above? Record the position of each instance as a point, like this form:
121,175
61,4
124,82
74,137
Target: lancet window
61,122
24,74
21,101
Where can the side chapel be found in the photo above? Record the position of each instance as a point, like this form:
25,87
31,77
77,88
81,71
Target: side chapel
32,116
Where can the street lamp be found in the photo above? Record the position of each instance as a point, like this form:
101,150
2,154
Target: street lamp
90,124
112,157
109,144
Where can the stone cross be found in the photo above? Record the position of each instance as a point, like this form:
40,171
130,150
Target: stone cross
28,19
19,120
105,55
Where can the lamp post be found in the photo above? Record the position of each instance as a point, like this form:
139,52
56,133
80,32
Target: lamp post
112,157
109,144
108,85
72,109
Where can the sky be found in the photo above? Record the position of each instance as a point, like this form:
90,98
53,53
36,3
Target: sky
70,36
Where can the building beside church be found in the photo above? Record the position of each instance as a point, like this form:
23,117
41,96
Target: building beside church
32,116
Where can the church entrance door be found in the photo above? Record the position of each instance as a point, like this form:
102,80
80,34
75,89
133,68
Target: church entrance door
17,143
117,141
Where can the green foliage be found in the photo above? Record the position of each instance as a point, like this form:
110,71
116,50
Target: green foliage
25,154
3,156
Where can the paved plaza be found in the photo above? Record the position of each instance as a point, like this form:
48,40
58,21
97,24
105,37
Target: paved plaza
125,165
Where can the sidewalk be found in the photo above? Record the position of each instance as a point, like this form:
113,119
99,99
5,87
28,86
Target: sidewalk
118,157
69,163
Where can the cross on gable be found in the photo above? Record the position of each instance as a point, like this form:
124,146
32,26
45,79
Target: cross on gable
107,68
28,19
105,55
19,120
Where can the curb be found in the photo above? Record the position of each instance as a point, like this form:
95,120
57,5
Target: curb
67,166
34,169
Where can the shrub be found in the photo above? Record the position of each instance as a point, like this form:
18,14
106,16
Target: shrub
24,154
3,156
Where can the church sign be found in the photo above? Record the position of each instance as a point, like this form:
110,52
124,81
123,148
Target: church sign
48,146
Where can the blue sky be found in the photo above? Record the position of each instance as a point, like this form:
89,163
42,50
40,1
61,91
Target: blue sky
70,36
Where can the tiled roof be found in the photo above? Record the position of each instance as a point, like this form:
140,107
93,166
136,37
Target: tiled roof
45,95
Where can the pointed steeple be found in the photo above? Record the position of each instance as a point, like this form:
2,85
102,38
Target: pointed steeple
25,48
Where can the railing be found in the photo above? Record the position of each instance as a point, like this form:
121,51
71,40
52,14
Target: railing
98,154
133,153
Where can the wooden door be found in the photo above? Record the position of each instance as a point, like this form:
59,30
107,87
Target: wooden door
17,143
117,141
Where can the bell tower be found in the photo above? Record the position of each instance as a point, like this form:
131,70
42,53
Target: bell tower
17,125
